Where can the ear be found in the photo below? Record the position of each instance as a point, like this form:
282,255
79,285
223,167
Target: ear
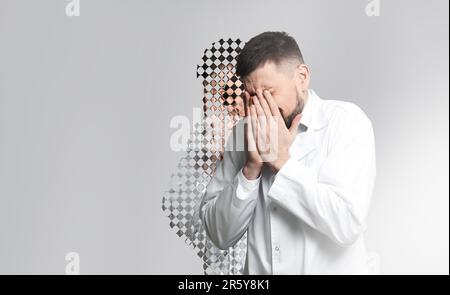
303,76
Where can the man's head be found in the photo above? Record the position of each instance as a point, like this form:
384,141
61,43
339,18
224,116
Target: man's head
273,61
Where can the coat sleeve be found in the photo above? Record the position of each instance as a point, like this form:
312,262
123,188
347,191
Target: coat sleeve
333,199
229,201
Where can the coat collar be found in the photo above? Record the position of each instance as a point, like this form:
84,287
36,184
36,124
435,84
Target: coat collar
313,114
313,120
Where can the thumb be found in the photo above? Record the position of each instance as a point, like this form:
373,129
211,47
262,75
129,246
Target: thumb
295,123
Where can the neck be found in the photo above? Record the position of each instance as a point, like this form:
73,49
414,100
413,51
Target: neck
305,96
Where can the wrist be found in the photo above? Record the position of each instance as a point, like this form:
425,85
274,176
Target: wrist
251,171
279,163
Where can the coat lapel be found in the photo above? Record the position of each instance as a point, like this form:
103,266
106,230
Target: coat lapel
304,144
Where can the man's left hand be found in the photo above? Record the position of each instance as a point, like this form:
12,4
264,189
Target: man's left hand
273,137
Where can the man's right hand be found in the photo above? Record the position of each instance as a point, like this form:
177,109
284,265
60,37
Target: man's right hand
254,163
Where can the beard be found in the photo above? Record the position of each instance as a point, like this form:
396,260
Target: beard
298,110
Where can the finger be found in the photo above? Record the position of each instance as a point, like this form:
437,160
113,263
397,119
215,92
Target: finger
264,104
258,129
295,123
261,135
254,118
259,109
246,110
272,104
270,117
251,145
247,99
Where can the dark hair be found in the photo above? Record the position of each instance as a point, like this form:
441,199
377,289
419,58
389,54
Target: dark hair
268,46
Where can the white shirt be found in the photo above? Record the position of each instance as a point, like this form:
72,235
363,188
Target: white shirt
309,218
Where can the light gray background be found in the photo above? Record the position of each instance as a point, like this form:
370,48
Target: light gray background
85,106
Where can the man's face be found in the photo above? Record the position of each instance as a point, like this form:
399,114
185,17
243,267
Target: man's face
282,83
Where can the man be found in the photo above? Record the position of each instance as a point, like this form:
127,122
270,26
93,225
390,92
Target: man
301,189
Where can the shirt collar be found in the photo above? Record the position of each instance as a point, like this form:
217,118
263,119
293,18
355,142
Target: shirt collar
313,115
305,121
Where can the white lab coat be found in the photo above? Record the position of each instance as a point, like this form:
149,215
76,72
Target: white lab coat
309,218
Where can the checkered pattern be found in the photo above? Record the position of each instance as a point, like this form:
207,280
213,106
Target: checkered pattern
221,103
